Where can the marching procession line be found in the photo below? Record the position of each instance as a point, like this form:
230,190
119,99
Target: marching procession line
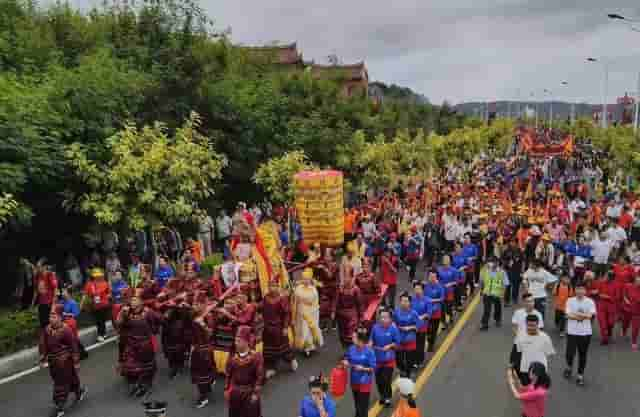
435,360
37,368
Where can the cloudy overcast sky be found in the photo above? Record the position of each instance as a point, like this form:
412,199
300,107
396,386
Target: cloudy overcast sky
458,50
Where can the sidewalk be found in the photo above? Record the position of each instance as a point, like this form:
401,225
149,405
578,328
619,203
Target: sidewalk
26,361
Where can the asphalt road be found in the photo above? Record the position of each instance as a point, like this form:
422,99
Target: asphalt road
30,396
468,381
471,379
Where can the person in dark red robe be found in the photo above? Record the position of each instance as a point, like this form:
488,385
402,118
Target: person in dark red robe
202,366
140,325
244,377
276,312
149,292
367,283
348,309
327,271
174,337
59,348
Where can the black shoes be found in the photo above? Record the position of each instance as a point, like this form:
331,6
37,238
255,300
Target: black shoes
567,373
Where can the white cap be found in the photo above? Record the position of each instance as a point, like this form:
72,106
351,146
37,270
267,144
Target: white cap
406,386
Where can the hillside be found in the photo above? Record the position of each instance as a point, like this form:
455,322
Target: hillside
561,109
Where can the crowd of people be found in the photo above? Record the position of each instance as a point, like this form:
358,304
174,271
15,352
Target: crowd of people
487,226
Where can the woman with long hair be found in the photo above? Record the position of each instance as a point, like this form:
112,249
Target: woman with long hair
532,397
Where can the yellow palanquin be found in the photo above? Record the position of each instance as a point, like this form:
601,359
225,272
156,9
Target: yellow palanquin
320,206
254,272
268,231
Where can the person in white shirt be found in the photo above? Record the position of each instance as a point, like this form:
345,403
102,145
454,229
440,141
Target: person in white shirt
536,280
600,250
519,323
368,229
545,251
534,345
614,210
580,311
451,230
576,206
616,234
224,225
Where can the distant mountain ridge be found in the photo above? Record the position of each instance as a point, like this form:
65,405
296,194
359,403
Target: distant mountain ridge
396,92
561,109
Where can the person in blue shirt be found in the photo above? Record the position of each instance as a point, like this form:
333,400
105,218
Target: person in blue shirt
395,244
435,294
412,251
459,262
471,252
448,277
317,403
361,361
70,307
164,272
118,285
423,307
408,323
70,313
469,249
385,338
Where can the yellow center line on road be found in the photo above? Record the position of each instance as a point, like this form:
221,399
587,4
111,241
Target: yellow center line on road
437,357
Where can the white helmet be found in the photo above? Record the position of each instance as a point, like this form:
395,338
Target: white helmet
406,387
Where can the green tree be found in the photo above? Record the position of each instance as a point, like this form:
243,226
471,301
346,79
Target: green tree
151,178
8,207
276,175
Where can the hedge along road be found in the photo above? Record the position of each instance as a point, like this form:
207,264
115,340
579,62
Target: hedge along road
30,395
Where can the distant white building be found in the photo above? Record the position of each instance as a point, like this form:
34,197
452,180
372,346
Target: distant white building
529,112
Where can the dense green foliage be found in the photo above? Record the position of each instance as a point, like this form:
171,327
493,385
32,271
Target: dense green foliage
208,266
18,330
73,80
151,179
619,144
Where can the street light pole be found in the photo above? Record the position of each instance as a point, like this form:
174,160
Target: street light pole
635,117
605,118
604,91
573,105
630,23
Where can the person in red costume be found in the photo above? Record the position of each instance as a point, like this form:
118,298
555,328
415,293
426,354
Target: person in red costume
348,309
59,349
46,284
244,377
276,311
606,291
631,311
202,364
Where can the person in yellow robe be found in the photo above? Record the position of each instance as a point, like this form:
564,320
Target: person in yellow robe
306,315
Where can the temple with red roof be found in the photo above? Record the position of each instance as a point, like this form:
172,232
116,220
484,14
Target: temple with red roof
354,78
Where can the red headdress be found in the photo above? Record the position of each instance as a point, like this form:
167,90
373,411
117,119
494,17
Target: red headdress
245,333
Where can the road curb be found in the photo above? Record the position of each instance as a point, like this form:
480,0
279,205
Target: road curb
12,366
